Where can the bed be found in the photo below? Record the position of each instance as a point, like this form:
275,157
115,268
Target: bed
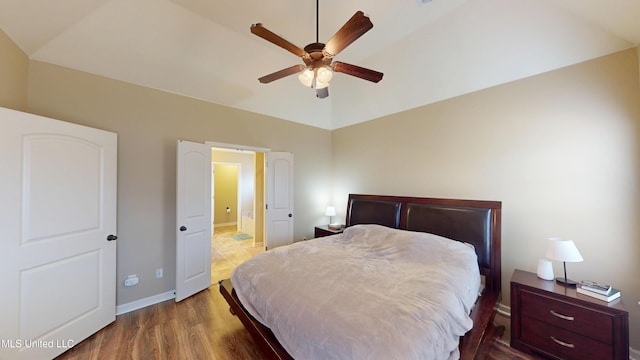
469,222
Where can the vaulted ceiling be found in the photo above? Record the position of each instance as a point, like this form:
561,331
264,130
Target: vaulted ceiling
427,52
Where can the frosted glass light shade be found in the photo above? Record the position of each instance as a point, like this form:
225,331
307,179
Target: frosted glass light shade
324,75
317,78
321,85
306,77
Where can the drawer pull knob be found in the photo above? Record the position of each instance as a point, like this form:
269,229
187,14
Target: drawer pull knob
562,343
564,317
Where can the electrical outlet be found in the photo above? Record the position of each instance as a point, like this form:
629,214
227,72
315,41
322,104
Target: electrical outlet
159,273
131,280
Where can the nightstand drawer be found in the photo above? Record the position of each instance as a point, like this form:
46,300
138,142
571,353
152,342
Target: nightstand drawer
551,319
565,343
567,316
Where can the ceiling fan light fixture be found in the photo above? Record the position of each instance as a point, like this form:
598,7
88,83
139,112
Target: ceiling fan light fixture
324,74
317,70
306,77
321,84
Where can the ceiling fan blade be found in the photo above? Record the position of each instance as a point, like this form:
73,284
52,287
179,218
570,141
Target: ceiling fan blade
322,93
276,39
357,71
281,73
348,33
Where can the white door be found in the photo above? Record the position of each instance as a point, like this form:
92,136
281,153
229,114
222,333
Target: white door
193,218
57,209
279,199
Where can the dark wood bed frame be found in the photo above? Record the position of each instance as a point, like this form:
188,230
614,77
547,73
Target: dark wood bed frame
473,221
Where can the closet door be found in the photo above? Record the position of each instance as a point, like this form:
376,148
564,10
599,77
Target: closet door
57,234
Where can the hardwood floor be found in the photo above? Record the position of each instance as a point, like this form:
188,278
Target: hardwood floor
199,327
500,351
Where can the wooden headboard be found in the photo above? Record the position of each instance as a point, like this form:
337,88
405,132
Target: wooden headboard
475,222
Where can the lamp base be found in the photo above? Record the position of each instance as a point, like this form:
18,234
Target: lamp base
334,226
566,282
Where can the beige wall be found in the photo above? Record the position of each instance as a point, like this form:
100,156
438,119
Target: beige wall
247,178
560,150
149,123
14,65
226,194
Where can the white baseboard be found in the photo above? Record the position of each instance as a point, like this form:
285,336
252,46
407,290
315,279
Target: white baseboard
139,304
503,310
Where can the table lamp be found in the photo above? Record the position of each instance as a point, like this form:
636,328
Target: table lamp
331,211
565,251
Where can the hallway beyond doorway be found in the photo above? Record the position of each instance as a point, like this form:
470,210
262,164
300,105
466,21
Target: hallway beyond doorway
227,253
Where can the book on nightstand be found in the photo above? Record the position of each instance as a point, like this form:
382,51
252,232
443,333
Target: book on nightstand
612,295
600,290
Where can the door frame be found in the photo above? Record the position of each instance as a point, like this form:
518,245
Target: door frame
215,144
236,147
265,215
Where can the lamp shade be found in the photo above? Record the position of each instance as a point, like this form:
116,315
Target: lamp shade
563,250
331,211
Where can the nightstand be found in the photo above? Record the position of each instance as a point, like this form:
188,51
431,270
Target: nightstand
324,230
555,321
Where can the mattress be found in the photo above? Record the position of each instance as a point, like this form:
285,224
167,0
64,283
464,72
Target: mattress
371,292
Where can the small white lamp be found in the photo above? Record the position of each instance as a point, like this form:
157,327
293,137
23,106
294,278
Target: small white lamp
565,251
331,211
545,269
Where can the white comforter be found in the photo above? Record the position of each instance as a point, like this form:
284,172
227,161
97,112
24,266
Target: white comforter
370,293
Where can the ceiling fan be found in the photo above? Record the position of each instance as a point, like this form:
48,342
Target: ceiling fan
318,67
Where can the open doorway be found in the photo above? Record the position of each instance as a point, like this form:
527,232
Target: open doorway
194,215
237,203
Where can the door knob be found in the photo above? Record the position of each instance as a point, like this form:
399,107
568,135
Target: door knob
290,215
112,237
183,228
